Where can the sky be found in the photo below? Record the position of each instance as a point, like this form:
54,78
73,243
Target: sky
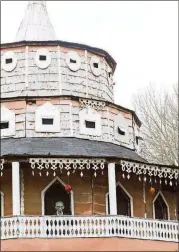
142,37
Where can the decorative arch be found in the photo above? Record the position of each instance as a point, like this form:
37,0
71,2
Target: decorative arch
118,184
7,122
46,189
163,208
2,203
90,122
47,118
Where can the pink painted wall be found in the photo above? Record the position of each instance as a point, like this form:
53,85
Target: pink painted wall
86,244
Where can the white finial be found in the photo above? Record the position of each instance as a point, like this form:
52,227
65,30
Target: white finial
36,25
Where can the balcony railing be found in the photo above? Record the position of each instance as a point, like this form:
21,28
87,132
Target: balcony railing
88,226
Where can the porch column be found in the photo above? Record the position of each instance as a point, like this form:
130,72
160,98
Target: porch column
112,189
15,188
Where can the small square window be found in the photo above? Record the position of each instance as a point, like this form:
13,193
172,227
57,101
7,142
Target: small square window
9,61
47,121
72,61
42,57
4,125
95,65
120,131
90,125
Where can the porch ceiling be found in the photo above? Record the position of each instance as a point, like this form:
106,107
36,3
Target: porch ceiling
65,147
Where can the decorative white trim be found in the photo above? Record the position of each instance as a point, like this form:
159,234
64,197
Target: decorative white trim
2,203
47,111
70,165
9,67
112,188
149,170
43,64
8,116
144,199
128,194
92,116
153,204
87,103
74,56
95,60
47,187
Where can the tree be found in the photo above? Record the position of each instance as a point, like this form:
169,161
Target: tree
158,112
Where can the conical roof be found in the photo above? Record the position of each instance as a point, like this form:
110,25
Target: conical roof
36,25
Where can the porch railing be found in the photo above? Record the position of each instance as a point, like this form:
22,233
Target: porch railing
88,226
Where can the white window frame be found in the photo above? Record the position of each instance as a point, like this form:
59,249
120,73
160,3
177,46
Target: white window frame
2,203
48,186
9,67
40,63
95,71
88,114
128,194
47,111
121,122
8,116
153,204
75,56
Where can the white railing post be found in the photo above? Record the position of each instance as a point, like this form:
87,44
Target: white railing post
112,189
15,188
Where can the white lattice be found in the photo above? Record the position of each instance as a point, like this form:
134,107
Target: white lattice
1,166
150,171
70,165
86,103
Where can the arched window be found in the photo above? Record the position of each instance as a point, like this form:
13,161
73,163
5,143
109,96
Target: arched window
124,201
160,207
2,204
53,193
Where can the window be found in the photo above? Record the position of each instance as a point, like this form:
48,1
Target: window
73,61
47,121
90,122
43,58
7,124
55,192
160,207
109,75
90,125
124,201
47,118
9,61
95,65
121,131
4,125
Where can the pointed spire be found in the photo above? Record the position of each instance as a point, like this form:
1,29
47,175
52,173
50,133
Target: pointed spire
36,25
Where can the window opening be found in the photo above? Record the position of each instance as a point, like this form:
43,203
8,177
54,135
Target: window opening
95,65
42,57
160,209
90,125
47,121
9,61
72,61
4,125
121,132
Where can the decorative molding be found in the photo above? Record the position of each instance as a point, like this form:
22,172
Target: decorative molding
148,170
45,62
70,165
87,103
11,65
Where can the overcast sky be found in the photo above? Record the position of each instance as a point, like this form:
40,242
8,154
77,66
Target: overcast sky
142,36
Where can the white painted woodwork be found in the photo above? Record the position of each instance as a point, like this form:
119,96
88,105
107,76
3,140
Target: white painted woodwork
112,188
8,116
16,188
88,226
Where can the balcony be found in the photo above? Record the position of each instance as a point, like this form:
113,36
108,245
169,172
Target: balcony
88,226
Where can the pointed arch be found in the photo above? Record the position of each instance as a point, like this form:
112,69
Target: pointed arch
118,184
2,203
48,186
165,208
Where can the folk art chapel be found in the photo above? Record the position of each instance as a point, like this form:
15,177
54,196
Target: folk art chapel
71,174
